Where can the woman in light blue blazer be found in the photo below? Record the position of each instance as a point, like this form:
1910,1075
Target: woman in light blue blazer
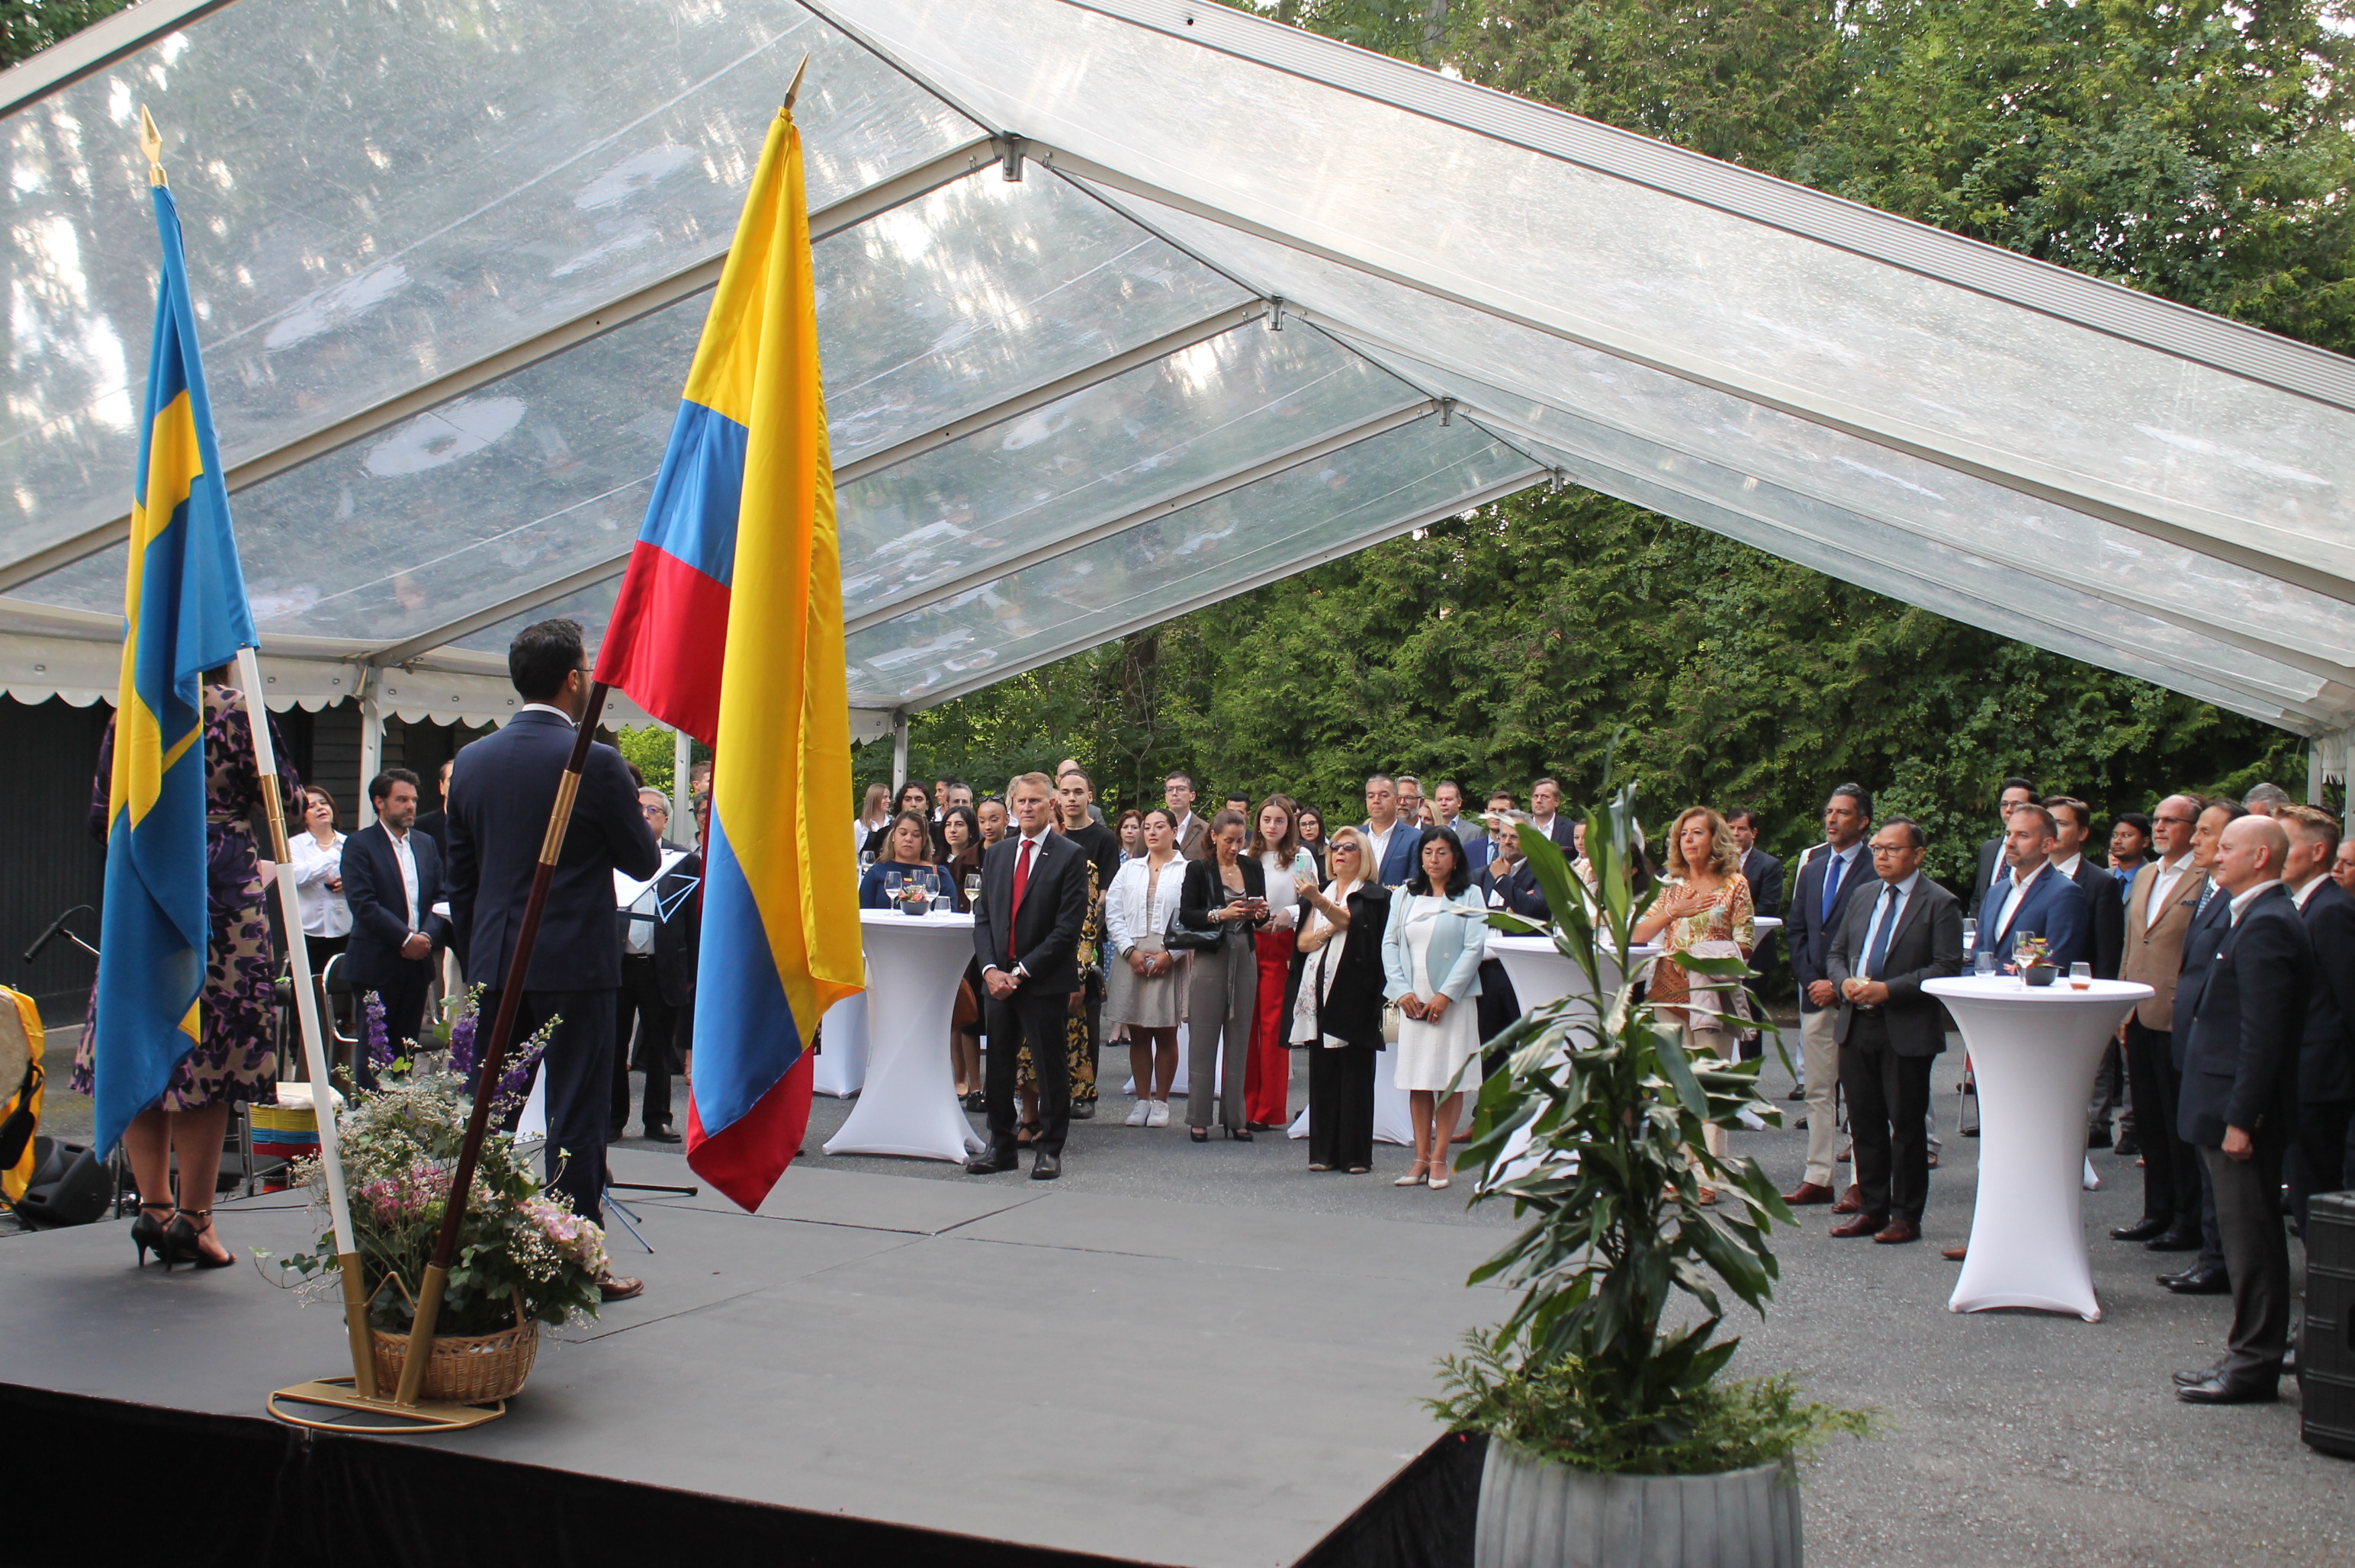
1431,968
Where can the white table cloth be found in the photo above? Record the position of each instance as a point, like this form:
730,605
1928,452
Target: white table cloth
908,1105
841,1068
2035,1052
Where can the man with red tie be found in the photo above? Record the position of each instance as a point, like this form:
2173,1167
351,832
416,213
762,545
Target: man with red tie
1026,934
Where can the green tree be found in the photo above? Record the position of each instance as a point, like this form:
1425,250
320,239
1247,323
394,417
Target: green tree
28,27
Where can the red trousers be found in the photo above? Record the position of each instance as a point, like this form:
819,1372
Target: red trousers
1267,1072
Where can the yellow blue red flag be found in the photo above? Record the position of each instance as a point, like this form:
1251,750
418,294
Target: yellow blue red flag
741,534
184,613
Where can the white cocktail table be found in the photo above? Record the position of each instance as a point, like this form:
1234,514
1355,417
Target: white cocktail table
2035,1052
908,1105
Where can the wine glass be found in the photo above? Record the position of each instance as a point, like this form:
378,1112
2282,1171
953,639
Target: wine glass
866,862
1970,935
939,887
972,889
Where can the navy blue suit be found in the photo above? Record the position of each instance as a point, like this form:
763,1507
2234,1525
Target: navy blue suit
380,906
1809,931
2055,909
2105,909
2326,1058
501,792
1398,866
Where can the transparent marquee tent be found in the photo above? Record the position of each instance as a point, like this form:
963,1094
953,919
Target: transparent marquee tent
1128,306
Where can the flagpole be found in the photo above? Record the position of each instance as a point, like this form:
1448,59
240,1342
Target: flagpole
306,1009
486,1078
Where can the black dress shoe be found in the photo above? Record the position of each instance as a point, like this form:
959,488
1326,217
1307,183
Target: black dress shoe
663,1135
989,1162
2098,1137
2175,1242
1799,1092
2141,1230
1045,1167
2198,1281
2225,1390
2186,1379
2128,1146
1083,1110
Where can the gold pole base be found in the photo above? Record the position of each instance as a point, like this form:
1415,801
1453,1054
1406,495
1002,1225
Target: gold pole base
315,1404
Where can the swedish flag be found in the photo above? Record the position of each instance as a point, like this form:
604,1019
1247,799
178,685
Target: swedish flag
184,611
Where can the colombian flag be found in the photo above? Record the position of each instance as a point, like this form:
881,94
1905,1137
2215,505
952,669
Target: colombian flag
184,611
729,625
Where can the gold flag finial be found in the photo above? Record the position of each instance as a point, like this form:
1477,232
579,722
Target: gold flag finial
151,142
795,90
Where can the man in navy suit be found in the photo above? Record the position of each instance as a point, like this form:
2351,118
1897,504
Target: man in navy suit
502,792
2326,1058
1547,817
2205,1276
392,879
1392,836
2035,896
2240,1101
1026,936
1817,904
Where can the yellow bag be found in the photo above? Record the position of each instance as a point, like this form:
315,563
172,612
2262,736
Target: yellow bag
21,1077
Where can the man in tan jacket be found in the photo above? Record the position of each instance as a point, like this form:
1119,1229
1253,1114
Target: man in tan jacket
2159,906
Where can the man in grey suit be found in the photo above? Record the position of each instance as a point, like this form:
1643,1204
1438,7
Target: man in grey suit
1906,931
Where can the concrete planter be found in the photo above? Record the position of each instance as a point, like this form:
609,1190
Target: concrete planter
1537,1514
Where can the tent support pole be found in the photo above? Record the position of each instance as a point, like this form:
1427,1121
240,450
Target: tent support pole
372,745
899,755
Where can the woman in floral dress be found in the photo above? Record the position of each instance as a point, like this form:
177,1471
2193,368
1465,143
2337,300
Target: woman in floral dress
235,1059
1706,900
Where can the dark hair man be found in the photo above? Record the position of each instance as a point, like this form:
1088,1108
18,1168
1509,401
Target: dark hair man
2036,897
1826,882
2325,1058
1193,832
2016,790
392,879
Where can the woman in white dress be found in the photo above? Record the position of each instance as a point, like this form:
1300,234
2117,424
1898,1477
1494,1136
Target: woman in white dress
1146,981
1431,965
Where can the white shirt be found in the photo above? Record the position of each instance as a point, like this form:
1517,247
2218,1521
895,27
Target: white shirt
1283,897
1032,841
2240,901
2162,887
407,859
325,912
1884,907
2011,901
1382,843
2068,867
2305,889
549,708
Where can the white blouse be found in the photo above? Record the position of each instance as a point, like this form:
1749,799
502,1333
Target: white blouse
325,912
1283,897
1128,920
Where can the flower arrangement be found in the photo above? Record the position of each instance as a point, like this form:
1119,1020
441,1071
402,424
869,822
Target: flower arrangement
523,1254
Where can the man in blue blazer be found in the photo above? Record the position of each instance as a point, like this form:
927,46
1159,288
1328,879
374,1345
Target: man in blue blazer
392,879
2326,1058
1817,906
2240,1101
1392,836
2034,896
502,792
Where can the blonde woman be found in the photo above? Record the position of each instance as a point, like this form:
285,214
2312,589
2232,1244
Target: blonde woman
1705,909
1340,1014
873,817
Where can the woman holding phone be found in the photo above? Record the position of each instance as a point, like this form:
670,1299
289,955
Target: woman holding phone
1224,899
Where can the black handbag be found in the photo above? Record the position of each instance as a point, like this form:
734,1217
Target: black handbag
1183,938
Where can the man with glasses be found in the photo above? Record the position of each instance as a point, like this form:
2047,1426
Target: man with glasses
659,922
1818,905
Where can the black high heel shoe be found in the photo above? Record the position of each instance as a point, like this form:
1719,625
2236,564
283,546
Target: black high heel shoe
147,1235
1239,1135
183,1242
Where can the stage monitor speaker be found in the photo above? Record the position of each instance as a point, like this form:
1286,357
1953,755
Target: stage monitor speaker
2326,1351
77,1197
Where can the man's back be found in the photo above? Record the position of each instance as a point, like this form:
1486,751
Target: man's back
501,792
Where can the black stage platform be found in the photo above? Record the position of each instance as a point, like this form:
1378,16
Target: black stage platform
873,1370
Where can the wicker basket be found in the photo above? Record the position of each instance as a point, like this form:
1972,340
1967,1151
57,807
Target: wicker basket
464,1370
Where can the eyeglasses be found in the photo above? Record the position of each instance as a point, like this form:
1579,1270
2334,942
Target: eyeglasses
1344,848
2179,821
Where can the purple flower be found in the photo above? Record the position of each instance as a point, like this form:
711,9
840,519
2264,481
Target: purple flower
461,1044
379,1041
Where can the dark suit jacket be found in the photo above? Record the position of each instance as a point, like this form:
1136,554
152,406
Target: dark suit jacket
379,906
1046,936
1926,946
1765,875
2326,1062
2108,912
1990,866
501,792
1203,892
1810,933
2241,1071
435,825
678,937
2200,938
1398,866
1523,896
2056,910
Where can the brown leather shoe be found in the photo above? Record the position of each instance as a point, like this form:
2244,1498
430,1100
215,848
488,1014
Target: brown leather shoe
619,1287
1808,1192
1953,1255
1862,1225
1898,1231
1852,1201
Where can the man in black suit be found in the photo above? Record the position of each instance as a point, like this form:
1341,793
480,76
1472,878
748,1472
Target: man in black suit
2205,1276
1905,931
1817,904
2015,792
1547,818
501,796
2326,1058
2073,826
392,879
2240,1101
1026,935
659,931
1765,875
435,823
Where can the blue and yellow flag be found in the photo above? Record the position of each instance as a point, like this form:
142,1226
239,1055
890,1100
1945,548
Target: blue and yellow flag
184,613
741,529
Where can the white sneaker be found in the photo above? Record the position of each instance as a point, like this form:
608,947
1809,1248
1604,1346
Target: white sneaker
1144,1109
1160,1114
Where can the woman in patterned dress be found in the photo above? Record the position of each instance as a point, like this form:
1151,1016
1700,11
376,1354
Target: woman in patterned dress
235,1058
1706,900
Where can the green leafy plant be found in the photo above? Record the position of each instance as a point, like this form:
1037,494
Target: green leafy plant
1597,1132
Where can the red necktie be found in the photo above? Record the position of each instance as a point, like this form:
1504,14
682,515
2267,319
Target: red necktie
1021,880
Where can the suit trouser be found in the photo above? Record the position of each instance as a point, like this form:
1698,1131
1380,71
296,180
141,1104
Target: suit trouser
1341,1105
1219,1008
2256,1254
1041,1020
2321,1165
403,1000
1819,1072
639,1005
579,1068
2109,1088
1888,1114
2170,1167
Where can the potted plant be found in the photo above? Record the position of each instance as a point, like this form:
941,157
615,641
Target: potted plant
524,1257
1613,1437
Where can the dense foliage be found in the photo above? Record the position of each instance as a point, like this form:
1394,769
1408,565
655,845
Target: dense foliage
2196,151
28,27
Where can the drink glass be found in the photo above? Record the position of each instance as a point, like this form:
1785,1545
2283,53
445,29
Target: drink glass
2080,977
1970,935
866,864
972,889
1984,965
